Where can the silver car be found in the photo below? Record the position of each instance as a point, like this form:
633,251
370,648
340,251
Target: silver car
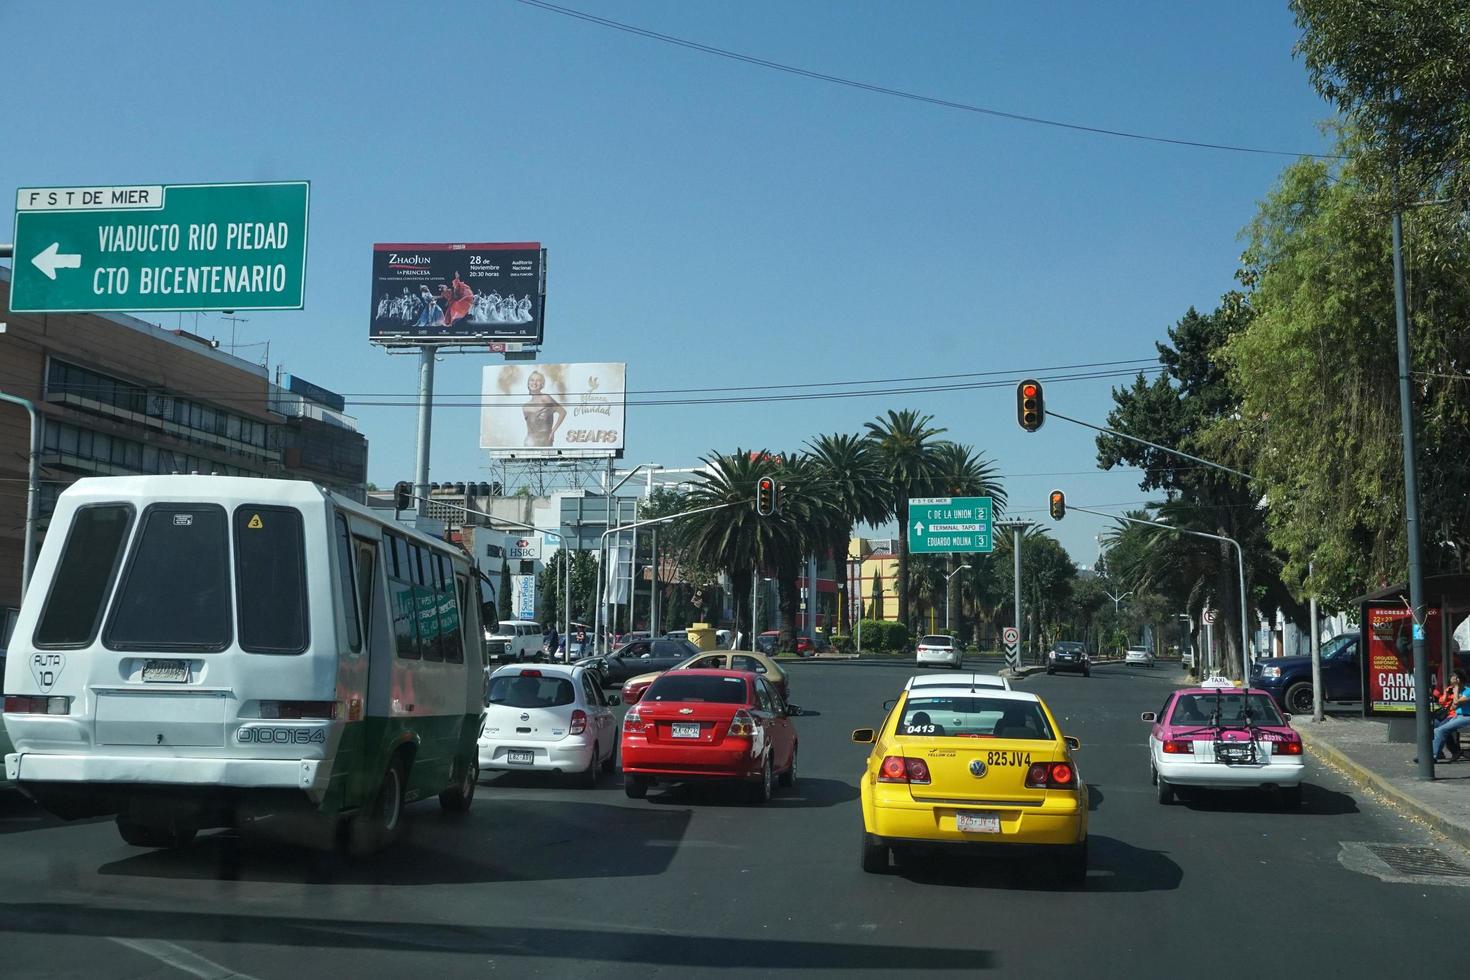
1138,656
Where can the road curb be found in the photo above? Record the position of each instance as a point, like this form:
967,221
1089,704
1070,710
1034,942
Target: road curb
1451,828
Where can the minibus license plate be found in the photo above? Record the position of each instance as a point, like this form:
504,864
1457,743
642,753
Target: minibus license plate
978,823
166,671
519,758
686,729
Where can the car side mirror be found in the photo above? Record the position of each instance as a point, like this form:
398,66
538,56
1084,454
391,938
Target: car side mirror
864,736
613,700
1286,715
1073,742
793,709
1149,716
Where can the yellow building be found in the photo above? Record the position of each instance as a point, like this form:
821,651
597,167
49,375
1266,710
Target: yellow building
872,570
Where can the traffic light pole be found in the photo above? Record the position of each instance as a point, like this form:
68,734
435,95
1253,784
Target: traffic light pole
1152,445
1240,567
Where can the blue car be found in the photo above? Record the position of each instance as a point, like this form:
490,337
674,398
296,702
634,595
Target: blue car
1289,679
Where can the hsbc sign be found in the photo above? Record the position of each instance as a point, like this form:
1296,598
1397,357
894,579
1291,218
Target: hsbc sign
524,548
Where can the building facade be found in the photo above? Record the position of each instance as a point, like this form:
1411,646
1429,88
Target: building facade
118,395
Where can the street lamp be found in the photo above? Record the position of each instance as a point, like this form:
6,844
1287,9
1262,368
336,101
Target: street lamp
947,593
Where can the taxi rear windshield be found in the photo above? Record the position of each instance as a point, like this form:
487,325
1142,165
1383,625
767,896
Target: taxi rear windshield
681,686
1225,709
968,716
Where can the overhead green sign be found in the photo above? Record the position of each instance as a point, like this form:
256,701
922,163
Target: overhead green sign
160,247
941,525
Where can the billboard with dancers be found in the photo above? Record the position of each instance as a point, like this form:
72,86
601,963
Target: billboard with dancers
554,409
454,293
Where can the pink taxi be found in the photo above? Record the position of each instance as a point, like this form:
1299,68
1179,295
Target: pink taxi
1224,738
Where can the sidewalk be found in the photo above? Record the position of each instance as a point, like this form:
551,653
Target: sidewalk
1358,747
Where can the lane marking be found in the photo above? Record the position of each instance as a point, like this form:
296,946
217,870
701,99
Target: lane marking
181,959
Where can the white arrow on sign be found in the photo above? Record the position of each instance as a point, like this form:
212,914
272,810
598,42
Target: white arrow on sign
52,259
918,525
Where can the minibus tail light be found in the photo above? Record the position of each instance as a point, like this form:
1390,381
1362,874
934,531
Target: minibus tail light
300,710
39,704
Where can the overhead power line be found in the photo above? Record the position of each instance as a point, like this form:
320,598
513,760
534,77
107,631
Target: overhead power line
903,94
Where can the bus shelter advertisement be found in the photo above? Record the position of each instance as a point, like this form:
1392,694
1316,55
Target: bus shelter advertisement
553,409
1388,668
445,293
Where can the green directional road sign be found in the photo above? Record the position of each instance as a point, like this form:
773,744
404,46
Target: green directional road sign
939,525
157,247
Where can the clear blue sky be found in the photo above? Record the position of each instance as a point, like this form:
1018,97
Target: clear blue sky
709,222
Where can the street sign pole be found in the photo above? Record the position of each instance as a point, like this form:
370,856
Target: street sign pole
1018,528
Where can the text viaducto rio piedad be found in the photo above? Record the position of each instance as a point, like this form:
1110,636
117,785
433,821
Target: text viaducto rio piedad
202,277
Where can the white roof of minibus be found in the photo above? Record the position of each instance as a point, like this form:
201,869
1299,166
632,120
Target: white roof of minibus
182,488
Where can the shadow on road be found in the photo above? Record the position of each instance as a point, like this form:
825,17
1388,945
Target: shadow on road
532,942
808,792
1094,797
1113,866
521,841
1316,801
18,815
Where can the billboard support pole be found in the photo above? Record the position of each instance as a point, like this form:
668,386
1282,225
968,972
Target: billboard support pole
426,418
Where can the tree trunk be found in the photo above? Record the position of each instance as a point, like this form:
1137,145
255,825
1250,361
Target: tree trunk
740,584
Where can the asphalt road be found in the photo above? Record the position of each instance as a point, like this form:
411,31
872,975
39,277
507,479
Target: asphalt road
544,880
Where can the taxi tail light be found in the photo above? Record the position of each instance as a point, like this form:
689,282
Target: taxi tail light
298,710
898,769
1286,748
1178,746
39,704
633,723
579,722
1051,775
742,725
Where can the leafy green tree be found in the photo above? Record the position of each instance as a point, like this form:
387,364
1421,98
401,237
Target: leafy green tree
1317,373
906,443
851,470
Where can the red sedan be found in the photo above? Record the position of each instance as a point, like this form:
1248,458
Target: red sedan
710,724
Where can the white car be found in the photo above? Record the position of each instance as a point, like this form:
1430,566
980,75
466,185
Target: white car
1138,655
957,680
938,650
548,718
515,640
1224,738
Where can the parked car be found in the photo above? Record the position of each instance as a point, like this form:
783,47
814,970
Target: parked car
1139,656
756,663
676,635
1289,679
1224,738
710,724
810,646
551,718
938,650
766,642
514,641
1069,655
638,657
576,644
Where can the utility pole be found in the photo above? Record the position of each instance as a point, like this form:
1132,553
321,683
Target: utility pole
1411,506
1316,647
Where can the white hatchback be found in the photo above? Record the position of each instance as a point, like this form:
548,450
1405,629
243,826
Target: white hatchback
938,649
549,718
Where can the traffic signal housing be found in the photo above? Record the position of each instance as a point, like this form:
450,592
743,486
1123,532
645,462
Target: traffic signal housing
1058,505
402,495
1030,405
767,496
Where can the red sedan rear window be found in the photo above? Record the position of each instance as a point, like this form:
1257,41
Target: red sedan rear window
709,688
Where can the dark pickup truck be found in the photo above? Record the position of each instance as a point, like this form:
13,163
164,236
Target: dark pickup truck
1289,679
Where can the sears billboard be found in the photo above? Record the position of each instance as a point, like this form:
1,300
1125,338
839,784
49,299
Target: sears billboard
546,410
458,293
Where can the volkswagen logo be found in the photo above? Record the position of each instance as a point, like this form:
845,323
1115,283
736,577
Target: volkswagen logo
977,768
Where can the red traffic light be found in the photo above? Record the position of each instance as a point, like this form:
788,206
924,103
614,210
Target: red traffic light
1058,505
767,492
1030,405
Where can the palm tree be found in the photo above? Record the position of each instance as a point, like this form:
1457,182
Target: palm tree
808,519
906,445
849,467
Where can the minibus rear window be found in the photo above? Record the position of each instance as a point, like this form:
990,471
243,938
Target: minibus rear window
84,576
270,575
175,594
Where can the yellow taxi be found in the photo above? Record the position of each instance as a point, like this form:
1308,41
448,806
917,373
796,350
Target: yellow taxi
972,766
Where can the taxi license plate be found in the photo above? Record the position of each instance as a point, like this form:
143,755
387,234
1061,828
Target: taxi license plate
978,823
686,729
521,757
166,671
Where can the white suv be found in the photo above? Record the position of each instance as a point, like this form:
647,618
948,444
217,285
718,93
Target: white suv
516,640
938,650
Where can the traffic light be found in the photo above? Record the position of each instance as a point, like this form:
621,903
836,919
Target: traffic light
1030,407
1058,505
403,495
767,496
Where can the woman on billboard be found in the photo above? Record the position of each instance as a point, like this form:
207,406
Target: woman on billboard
544,414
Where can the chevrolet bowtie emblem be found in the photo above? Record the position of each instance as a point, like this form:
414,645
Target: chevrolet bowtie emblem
686,711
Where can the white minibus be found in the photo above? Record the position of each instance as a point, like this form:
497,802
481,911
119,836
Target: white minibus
204,651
